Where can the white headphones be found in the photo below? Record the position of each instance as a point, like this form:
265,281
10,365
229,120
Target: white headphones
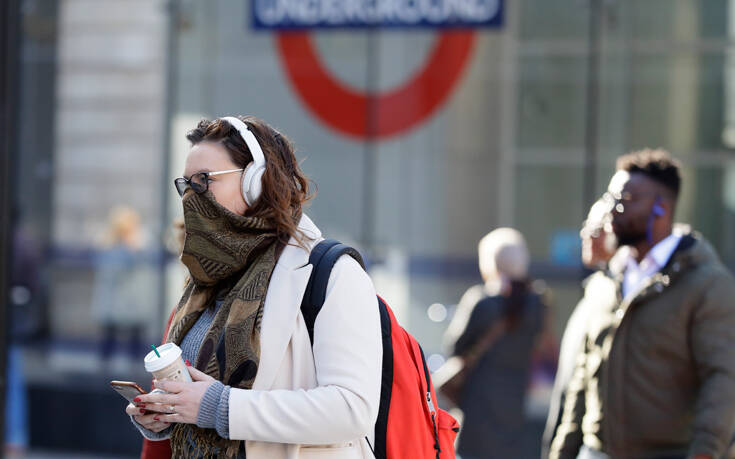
252,184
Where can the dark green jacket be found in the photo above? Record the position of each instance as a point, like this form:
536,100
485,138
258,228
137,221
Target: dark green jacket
657,377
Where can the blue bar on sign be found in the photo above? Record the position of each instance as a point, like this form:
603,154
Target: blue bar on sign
328,14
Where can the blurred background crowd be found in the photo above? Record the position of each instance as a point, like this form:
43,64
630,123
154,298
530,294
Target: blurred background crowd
422,135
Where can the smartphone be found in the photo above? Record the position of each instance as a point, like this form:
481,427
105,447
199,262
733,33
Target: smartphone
128,389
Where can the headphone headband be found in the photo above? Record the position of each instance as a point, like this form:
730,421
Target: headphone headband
249,138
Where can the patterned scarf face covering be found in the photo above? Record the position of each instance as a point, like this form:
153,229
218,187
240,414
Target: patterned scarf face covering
235,254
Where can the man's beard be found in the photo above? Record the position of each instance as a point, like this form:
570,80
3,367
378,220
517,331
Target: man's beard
629,237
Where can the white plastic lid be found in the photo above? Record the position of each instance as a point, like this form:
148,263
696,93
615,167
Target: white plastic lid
169,353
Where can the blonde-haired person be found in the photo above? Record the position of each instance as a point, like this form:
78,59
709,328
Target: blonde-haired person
122,287
260,388
124,227
493,396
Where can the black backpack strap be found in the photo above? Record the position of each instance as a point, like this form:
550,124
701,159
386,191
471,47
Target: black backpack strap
430,403
323,257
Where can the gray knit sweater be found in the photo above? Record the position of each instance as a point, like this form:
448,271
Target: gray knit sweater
214,409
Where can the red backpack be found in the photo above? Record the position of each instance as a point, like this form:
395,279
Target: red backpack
410,423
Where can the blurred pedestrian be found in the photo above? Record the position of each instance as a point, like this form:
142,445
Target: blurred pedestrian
260,388
598,246
24,308
123,286
657,375
492,399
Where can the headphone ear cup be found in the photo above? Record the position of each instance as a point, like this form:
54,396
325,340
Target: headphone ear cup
251,183
245,184
256,185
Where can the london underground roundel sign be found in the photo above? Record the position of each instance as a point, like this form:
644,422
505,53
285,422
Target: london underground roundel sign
378,115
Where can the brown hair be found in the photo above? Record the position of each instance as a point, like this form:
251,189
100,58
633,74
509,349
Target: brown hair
285,187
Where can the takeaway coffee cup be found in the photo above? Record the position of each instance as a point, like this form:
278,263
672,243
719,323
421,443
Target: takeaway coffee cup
169,365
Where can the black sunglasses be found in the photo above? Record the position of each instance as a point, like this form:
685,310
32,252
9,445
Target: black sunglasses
198,182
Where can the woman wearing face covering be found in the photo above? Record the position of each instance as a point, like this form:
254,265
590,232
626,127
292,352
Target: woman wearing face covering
259,386
508,311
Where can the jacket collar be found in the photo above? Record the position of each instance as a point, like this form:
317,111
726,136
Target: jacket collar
691,251
660,254
283,303
619,262
294,256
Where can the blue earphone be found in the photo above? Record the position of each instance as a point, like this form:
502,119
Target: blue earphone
656,211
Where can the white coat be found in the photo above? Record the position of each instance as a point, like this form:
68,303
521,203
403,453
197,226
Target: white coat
318,402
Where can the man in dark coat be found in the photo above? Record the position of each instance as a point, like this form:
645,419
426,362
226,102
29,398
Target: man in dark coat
657,375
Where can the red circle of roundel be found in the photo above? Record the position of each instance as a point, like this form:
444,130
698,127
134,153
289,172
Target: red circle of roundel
393,112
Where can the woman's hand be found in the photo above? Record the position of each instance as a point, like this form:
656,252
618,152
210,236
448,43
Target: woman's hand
181,403
146,418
